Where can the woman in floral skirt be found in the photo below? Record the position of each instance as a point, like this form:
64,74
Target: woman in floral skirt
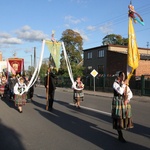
20,94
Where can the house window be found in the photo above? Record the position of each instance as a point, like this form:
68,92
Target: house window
101,69
89,55
101,53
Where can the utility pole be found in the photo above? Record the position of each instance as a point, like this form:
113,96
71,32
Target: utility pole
34,57
31,60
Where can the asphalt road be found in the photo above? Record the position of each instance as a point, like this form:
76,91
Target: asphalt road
69,128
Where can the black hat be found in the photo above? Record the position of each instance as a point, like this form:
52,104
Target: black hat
117,74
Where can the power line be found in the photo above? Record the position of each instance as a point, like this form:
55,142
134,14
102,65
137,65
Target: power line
121,19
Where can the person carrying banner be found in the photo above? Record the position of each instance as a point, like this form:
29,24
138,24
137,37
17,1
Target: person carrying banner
121,108
49,82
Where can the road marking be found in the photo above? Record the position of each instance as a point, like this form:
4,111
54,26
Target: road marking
88,108
96,110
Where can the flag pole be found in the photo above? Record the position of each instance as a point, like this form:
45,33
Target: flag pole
130,2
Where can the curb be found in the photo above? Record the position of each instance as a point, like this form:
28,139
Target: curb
104,94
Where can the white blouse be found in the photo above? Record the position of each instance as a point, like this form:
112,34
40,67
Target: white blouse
121,89
21,86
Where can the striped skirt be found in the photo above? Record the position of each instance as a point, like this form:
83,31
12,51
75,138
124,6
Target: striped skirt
121,114
20,99
78,95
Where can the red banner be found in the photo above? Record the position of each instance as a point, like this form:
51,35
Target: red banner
17,64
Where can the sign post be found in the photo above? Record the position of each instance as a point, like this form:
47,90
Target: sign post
94,74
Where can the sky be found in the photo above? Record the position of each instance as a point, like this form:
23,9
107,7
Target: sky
24,23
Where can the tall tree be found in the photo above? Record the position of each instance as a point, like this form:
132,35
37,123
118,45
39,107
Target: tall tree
115,40
73,44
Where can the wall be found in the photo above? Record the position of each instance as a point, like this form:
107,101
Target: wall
116,59
143,68
116,62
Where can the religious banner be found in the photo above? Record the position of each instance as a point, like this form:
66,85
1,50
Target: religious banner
15,65
133,55
54,48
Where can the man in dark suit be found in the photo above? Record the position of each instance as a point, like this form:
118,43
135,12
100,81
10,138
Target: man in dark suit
49,83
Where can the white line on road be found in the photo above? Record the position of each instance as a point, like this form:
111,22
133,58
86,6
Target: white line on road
102,112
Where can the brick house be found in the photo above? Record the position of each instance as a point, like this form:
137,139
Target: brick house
107,59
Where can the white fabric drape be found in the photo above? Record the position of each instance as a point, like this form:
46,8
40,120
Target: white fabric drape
38,67
37,70
70,69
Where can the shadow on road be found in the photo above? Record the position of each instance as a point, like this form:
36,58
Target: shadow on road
41,97
39,104
141,130
9,139
87,130
9,102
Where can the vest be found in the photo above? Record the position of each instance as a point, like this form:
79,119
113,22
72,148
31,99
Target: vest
116,93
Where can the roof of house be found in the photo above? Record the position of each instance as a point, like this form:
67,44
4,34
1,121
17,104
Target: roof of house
122,49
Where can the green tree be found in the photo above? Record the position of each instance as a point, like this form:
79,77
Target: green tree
45,65
30,70
73,44
43,71
115,39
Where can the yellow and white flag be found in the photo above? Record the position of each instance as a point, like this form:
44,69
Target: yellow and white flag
133,56
54,48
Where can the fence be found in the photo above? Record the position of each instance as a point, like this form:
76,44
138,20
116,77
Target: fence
139,86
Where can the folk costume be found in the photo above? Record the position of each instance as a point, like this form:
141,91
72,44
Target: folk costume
20,99
3,87
78,94
121,111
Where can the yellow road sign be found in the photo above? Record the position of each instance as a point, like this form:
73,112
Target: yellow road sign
94,73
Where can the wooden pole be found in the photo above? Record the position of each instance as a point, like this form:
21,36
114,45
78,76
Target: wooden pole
48,85
47,91
34,57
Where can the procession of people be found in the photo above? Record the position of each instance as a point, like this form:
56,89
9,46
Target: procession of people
13,87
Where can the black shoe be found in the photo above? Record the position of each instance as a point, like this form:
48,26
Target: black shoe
78,107
50,109
20,111
121,139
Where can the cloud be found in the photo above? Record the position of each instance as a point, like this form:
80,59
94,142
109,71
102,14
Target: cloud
67,26
6,38
73,20
91,28
83,35
106,28
4,35
28,34
23,34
